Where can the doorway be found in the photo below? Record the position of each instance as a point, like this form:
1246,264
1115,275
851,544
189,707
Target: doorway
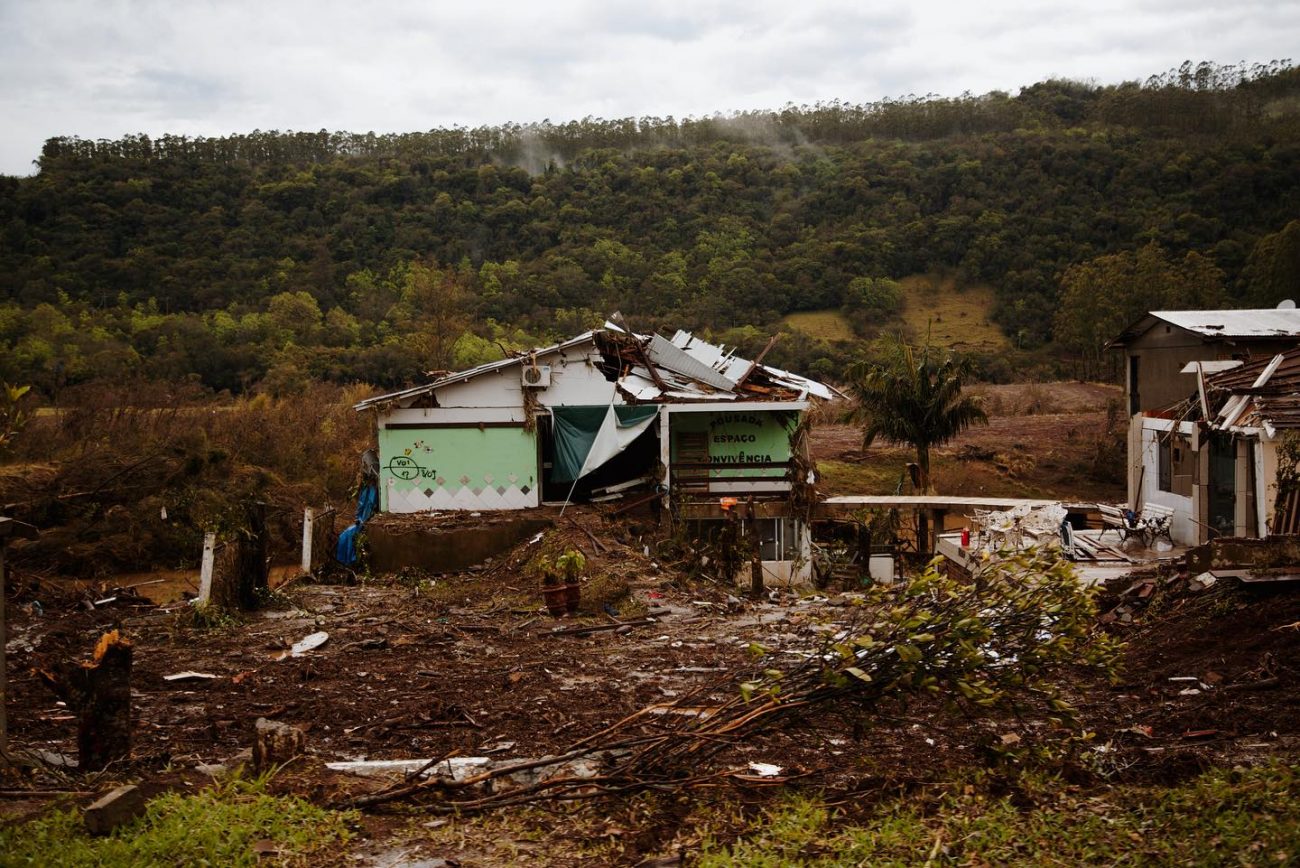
1222,506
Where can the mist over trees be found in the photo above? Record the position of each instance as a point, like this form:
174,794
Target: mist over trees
272,258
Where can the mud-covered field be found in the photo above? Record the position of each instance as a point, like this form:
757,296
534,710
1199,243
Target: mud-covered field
421,666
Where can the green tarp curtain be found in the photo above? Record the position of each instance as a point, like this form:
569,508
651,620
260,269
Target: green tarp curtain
575,430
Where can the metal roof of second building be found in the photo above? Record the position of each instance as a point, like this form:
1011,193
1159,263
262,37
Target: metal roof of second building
1256,324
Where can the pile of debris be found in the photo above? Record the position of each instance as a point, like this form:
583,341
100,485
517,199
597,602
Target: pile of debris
1141,588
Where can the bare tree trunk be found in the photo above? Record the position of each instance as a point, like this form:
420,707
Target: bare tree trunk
923,462
251,564
100,694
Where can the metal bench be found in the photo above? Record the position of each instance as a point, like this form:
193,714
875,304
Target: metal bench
1157,522
1122,520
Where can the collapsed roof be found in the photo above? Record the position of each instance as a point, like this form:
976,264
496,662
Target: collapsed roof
1264,393
653,369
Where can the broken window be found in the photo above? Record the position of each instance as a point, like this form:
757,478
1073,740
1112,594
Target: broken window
1182,462
1165,449
778,538
1134,397
1175,460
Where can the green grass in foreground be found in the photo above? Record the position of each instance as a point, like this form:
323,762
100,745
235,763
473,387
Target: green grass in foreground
215,826
1238,817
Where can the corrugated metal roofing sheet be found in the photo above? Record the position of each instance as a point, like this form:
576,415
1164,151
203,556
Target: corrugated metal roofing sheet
1256,324
1266,323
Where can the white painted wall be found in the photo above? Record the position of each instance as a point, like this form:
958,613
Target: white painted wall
458,415
576,381
1183,528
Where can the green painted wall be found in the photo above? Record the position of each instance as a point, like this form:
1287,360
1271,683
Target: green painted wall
457,468
739,436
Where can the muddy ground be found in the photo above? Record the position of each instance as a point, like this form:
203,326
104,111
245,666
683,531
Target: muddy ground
420,665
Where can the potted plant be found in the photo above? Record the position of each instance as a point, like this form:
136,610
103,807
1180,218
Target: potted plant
553,593
570,565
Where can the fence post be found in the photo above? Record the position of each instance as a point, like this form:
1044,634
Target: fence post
308,517
205,571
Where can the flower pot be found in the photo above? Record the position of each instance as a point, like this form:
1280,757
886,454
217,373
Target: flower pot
572,597
555,597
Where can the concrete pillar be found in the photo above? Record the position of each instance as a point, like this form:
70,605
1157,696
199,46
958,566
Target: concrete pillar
308,515
1134,462
665,453
205,570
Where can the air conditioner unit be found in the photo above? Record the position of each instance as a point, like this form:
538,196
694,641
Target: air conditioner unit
536,376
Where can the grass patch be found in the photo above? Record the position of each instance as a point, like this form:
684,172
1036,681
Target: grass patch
828,325
878,475
953,316
216,826
1237,816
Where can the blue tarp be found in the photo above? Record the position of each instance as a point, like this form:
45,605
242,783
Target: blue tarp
367,502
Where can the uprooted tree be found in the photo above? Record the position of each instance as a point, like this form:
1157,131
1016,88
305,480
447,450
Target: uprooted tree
993,645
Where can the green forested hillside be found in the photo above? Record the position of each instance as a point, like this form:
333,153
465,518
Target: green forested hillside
271,257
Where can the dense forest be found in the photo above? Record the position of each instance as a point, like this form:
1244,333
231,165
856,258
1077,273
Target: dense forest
269,259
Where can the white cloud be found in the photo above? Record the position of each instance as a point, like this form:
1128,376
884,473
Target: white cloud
104,68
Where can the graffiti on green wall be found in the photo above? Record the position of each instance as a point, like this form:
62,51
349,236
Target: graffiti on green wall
457,468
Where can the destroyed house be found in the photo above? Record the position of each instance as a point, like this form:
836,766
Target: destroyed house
609,414
1178,456
1223,458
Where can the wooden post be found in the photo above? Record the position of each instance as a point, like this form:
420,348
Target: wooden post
275,744
205,570
922,532
864,551
317,524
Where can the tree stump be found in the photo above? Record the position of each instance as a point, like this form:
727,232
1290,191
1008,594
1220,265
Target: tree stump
251,565
239,569
275,743
99,693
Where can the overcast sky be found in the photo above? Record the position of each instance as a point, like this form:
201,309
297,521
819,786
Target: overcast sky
104,68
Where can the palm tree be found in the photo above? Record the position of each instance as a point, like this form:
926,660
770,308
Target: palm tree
912,398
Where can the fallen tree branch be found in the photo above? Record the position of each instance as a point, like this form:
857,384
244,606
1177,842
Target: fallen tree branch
991,644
